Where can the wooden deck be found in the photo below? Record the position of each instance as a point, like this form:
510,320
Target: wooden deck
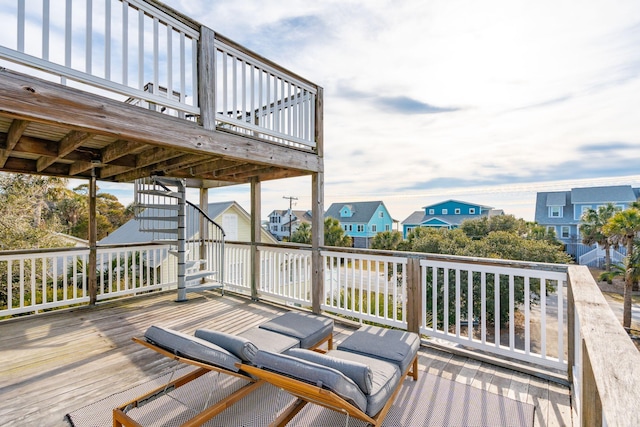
57,362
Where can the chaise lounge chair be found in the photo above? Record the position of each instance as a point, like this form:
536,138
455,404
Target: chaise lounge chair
361,378
216,351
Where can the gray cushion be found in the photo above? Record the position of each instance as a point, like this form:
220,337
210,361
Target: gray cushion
240,346
192,347
358,372
385,378
313,373
390,345
270,341
308,328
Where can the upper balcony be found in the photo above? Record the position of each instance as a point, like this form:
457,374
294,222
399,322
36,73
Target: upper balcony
126,89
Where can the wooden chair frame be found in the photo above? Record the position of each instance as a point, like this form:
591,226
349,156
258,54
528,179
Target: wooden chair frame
121,419
309,393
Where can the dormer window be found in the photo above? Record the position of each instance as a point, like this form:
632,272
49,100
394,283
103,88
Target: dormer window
472,211
555,211
445,211
432,211
457,211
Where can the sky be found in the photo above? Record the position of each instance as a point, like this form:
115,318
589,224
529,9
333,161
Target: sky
424,101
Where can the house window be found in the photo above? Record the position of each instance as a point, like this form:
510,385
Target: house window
381,214
360,228
564,232
457,211
374,228
432,211
472,211
445,211
555,211
350,227
387,227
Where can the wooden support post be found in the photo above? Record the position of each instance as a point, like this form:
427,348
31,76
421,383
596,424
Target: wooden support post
591,411
207,78
414,295
182,241
256,229
317,241
93,237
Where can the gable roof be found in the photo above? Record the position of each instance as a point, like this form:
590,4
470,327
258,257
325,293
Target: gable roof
362,211
557,198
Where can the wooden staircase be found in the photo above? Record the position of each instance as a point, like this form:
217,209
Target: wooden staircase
198,242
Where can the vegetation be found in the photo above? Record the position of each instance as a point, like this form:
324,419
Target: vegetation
592,229
35,209
622,228
333,234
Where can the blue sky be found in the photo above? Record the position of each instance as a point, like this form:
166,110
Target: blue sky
486,102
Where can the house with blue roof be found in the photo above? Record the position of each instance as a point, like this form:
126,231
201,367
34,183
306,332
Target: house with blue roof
361,220
561,211
448,214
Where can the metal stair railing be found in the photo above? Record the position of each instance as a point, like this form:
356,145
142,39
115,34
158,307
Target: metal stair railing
199,240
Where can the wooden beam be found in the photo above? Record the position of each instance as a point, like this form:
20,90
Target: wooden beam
155,155
14,134
70,142
112,170
164,166
79,167
119,149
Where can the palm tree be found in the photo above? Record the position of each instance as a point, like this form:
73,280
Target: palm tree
623,228
591,229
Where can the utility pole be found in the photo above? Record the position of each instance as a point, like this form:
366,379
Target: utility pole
291,199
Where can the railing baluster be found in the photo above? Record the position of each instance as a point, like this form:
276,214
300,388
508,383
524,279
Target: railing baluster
125,43
107,39
45,29
527,316
88,37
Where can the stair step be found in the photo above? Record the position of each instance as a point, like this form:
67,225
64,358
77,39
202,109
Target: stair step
166,180
156,206
198,275
164,193
159,230
204,287
157,218
195,263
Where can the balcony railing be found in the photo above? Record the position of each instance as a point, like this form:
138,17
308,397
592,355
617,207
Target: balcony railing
550,316
138,52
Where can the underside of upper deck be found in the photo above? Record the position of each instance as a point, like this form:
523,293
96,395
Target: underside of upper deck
51,129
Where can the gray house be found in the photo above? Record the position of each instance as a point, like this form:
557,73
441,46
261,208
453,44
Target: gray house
561,211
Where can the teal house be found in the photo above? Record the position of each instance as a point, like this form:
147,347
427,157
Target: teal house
361,220
448,214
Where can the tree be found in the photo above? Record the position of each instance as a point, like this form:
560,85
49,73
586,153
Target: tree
334,234
386,240
26,211
592,226
623,227
302,234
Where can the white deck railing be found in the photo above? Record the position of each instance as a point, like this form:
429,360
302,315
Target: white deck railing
285,275
123,48
256,98
31,281
366,287
518,312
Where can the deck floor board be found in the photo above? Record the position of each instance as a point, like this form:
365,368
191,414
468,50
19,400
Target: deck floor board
56,362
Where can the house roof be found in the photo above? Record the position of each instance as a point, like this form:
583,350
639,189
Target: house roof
419,218
130,232
458,201
362,211
612,193
557,199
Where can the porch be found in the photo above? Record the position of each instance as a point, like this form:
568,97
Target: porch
57,362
